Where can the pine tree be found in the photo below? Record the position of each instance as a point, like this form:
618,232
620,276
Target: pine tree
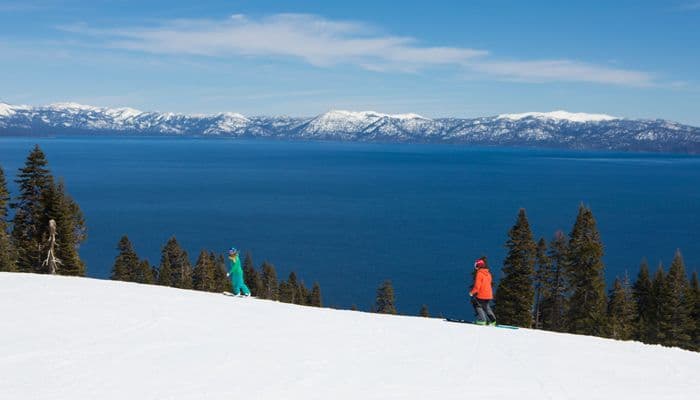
588,302
144,273
222,282
674,321
252,278
658,283
126,264
70,228
165,272
556,288
542,280
289,290
315,296
270,285
303,297
695,314
27,233
385,302
621,311
8,258
642,292
424,311
179,265
203,273
515,294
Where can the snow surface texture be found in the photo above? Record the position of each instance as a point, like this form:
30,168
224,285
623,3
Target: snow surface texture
78,338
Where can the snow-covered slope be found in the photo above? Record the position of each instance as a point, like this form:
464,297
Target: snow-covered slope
557,129
75,338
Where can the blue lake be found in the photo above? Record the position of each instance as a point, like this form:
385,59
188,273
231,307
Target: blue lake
351,215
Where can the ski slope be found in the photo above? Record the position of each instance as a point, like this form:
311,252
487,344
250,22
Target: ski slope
77,338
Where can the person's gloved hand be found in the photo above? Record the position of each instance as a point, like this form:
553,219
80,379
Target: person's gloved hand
227,274
470,294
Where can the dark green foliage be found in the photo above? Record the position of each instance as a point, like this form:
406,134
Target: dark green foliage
203,274
642,291
126,265
695,313
515,295
555,286
144,274
251,276
222,282
542,280
587,306
315,296
658,283
675,325
424,311
621,311
177,264
8,257
70,228
165,272
289,290
28,232
385,302
270,286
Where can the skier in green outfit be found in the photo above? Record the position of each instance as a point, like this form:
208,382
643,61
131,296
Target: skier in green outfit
235,272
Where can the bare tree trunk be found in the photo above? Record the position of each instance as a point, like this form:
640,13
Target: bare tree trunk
51,260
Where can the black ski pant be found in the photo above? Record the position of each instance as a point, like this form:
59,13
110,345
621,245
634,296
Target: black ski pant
483,310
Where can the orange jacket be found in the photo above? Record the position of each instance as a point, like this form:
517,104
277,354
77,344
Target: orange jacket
482,285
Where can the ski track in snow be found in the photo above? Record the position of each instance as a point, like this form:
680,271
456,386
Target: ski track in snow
78,338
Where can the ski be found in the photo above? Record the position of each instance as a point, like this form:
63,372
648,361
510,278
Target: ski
234,295
464,321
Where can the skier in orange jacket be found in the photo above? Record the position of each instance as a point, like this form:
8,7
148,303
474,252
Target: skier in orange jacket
482,294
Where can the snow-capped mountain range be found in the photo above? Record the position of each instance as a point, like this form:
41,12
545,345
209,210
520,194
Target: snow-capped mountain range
557,129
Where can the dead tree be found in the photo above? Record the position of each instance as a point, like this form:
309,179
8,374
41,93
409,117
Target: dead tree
51,261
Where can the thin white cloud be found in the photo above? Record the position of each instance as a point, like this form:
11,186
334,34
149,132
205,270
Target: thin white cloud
324,43
690,6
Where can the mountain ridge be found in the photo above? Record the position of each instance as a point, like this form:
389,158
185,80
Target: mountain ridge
556,129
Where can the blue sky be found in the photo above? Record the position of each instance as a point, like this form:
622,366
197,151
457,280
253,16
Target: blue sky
437,58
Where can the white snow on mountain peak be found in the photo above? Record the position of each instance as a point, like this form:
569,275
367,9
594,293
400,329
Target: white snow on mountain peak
559,115
71,106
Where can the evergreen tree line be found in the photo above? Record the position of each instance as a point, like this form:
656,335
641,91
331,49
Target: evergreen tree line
209,274
560,287
24,241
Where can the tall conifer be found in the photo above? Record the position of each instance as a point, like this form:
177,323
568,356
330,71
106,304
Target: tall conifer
674,321
251,275
270,285
655,334
203,273
179,265
515,294
8,258
695,314
587,307
385,302
28,233
556,289
144,273
643,296
543,279
126,265
315,296
70,228
621,311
